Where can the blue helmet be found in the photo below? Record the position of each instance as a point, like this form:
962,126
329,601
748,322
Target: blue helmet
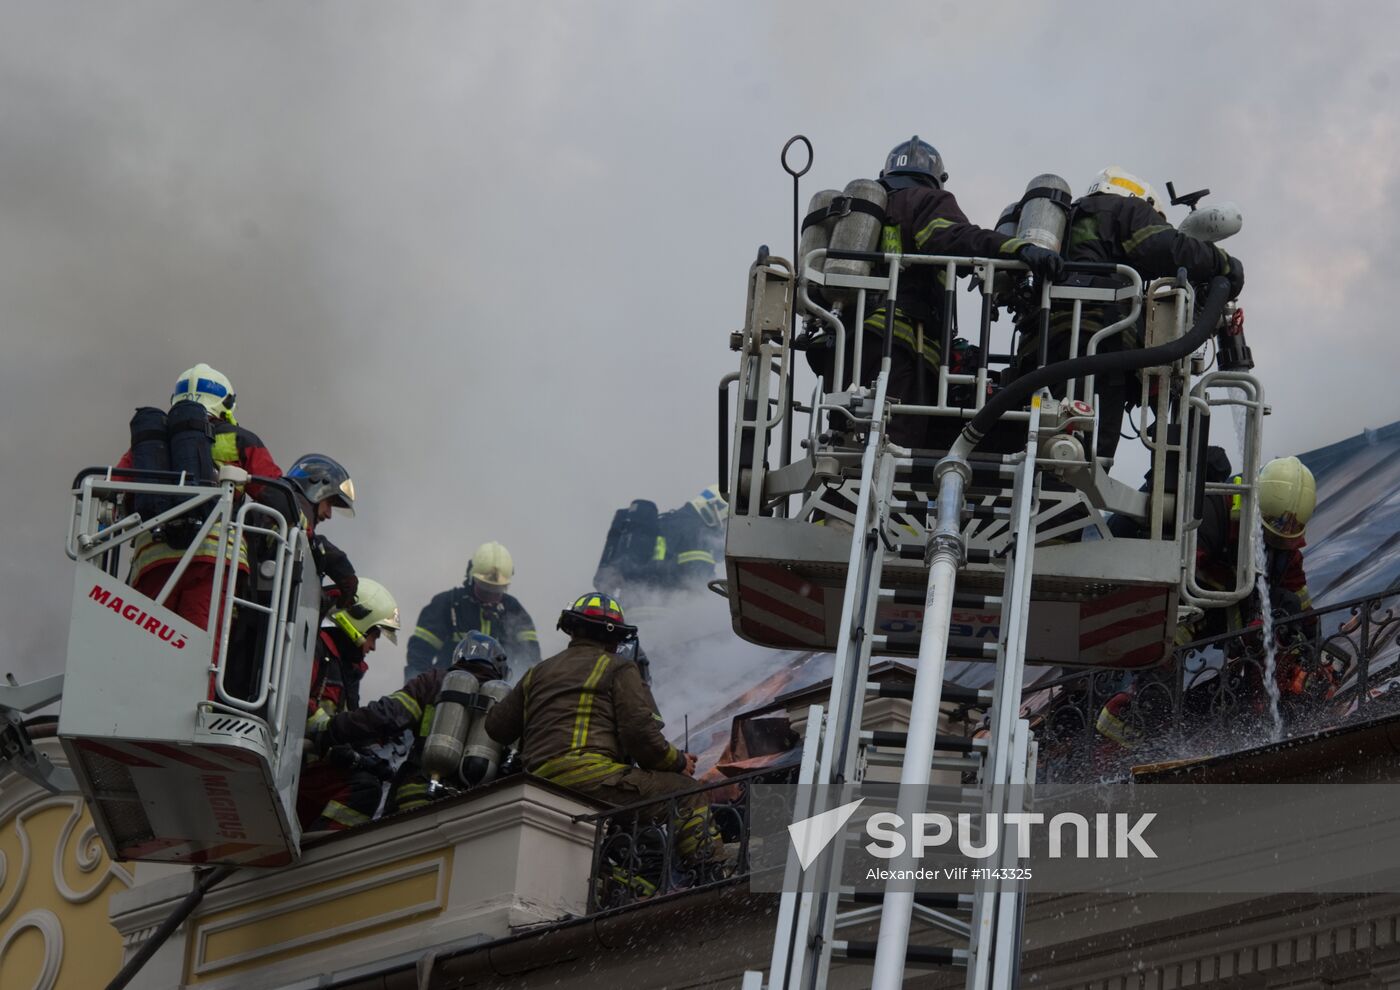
483,656
320,477
915,157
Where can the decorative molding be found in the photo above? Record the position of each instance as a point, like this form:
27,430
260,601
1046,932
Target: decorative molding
48,925
89,854
436,867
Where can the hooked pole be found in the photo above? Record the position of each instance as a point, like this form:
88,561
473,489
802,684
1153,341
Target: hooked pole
797,175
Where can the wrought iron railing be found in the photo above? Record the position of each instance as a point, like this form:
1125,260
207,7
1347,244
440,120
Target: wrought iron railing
1332,665
687,840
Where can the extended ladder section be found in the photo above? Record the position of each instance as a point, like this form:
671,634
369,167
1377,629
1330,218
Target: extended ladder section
186,741
1026,550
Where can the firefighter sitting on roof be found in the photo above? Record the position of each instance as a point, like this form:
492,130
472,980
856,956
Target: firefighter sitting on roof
198,436
584,715
648,556
479,603
340,787
409,711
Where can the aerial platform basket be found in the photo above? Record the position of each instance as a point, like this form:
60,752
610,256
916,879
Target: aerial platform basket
187,744
1097,599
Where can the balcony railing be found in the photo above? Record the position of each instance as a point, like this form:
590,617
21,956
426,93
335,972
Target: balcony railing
1332,666
685,841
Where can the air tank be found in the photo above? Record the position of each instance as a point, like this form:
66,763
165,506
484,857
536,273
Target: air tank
1006,223
452,717
1213,223
1045,216
818,235
483,754
856,231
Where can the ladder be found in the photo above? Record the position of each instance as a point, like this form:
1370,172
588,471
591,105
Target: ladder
814,908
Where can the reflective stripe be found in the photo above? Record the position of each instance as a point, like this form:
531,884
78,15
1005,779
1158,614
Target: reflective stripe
658,552
427,636
578,768
529,636
414,709
1136,241
585,702
696,557
904,333
225,448
934,226
318,720
148,552
485,627
1012,244
891,239
425,724
343,814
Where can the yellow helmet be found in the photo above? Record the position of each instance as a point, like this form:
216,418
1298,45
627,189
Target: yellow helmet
210,388
1287,497
374,608
492,566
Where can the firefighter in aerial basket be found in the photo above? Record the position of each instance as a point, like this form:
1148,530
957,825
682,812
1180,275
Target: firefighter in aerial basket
198,437
586,719
1121,220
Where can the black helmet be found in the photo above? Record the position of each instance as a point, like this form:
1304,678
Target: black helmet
483,656
598,616
320,477
915,157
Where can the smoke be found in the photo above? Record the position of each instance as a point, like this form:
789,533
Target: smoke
489,256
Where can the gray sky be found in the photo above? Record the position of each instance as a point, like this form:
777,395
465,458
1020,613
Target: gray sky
488,255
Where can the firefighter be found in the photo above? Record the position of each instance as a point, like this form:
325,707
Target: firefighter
154,558
341,787
1121,220
479,603
585,719
410,709
648,555
325,486
1287,497
923,217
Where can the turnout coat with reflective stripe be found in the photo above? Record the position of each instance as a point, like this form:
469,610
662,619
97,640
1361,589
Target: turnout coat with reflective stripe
584,716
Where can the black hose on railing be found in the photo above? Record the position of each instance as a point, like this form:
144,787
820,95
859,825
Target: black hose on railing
1015,395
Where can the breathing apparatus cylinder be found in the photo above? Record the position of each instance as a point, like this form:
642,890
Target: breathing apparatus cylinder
856,230
483,754
1213,223
452,718
816,230
150,451
1045,211
1006,223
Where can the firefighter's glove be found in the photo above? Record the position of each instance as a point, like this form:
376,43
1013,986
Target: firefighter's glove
1042,262
1233,269
347,757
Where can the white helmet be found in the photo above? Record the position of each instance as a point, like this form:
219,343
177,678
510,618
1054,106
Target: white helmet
210,388
1287,497
492,566
711,505
1123,183
374,608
